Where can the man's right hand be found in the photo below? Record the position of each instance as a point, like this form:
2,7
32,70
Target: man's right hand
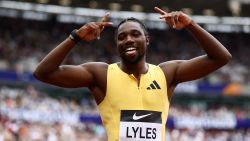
92,30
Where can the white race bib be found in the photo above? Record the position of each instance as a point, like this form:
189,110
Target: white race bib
140,125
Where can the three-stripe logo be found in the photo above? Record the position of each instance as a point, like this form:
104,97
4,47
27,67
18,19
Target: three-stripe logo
153,86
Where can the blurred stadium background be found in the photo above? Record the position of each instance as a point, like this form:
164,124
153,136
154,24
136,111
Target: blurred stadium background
215,108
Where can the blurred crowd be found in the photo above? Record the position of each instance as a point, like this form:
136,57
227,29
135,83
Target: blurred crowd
23,43
207,135
14,128
22,46
20,128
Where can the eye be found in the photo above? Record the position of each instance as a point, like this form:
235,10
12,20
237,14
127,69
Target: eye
121,36
136,33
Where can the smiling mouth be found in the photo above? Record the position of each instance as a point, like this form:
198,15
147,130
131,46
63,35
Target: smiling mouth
130,51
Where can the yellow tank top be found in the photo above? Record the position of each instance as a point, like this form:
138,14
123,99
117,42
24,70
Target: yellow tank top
135,113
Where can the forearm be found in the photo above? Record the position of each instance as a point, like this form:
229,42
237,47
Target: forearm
214,49
52,61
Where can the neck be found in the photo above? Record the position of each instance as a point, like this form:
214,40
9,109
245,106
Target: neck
136,69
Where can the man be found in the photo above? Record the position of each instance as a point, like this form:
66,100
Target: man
133,96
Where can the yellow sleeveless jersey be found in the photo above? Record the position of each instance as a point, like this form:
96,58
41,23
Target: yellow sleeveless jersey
132,112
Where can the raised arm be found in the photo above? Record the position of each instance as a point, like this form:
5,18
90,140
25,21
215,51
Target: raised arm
185,70
51,71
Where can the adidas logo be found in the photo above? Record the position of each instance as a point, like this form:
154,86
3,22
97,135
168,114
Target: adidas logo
153,86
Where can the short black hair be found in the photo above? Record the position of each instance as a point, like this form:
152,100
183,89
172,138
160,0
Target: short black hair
132,19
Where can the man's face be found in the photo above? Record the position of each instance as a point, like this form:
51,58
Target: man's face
131,42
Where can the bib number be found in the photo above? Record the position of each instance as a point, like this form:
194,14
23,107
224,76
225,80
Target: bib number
140,125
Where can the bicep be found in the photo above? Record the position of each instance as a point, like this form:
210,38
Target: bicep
187,70
178,71
71,76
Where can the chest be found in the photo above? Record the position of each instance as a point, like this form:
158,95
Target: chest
125,92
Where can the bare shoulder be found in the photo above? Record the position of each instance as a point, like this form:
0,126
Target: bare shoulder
98,86
96,68
169,68
94,65
99,73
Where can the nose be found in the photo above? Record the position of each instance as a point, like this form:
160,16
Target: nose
129,40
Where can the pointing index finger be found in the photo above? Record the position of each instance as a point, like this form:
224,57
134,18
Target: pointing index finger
162,12
105,17
104,22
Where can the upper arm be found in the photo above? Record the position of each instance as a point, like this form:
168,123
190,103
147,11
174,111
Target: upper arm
74,75
187,70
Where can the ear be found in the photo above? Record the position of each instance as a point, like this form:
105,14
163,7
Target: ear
147,40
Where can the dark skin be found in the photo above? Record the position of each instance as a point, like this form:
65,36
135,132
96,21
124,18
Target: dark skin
94,74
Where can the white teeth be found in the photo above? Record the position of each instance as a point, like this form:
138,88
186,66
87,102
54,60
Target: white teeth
130,49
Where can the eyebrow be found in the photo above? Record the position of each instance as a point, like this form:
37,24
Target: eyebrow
133,30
